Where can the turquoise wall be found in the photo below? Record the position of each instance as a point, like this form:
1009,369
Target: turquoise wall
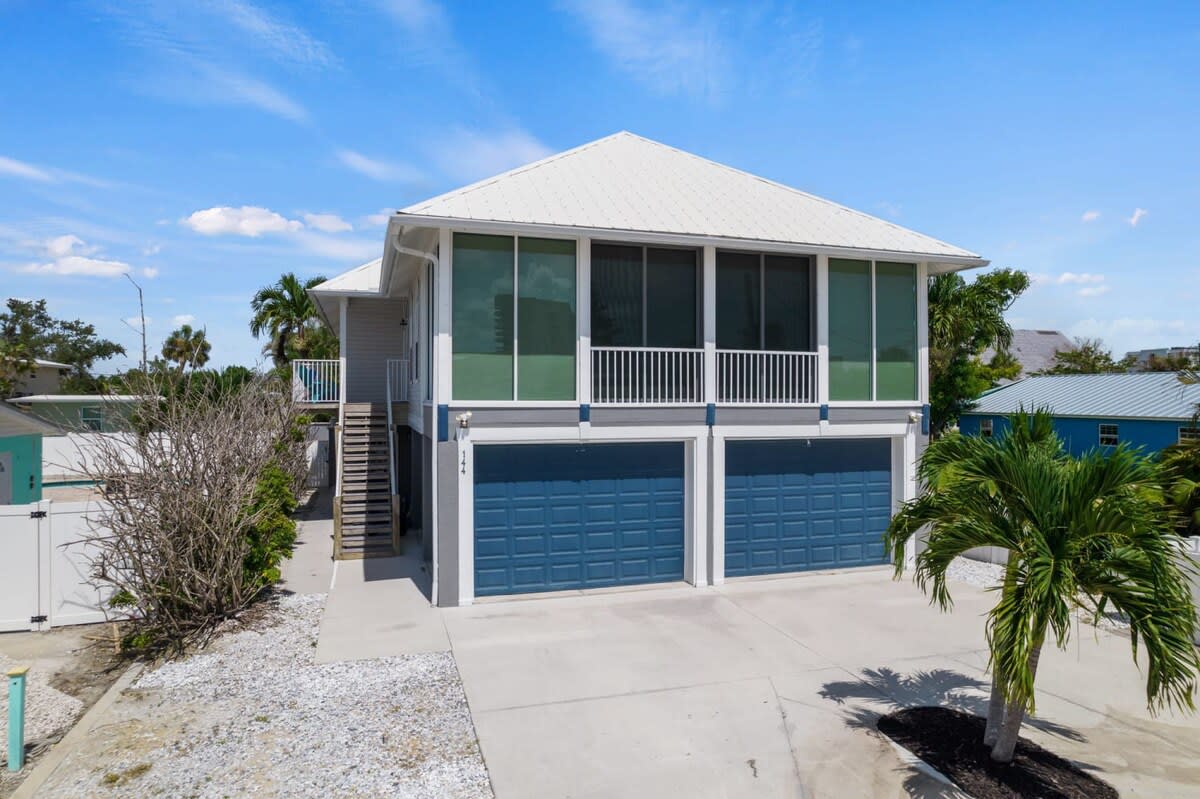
27,466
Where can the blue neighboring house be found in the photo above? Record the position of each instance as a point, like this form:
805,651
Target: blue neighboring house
1144,409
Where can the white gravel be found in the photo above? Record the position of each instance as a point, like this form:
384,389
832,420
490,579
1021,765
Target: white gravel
255,716
48,712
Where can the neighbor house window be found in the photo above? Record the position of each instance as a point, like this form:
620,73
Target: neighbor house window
764,302
1189,434
645,297
1109,435
985,428
91,418
513,318
872,330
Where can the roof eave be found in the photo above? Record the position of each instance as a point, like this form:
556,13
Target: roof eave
950,261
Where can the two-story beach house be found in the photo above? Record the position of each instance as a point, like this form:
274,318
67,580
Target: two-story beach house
626,364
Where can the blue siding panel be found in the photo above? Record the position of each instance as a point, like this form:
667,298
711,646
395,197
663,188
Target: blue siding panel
1080,434
555,517
801,505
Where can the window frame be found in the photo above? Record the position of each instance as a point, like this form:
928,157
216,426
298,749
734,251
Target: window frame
986,428
91,418
1102,434
873,311
1187,435
698,256
514,399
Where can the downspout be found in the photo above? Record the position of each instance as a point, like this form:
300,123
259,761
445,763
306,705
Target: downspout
433,450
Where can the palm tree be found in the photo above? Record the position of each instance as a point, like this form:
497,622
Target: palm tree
287,313
187,347
1081,534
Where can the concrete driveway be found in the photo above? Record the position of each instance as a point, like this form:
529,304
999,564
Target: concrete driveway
771,687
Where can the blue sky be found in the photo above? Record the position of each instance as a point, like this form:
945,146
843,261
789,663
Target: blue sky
204,148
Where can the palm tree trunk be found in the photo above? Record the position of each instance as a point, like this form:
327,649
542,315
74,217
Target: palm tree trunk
1014,716
995,716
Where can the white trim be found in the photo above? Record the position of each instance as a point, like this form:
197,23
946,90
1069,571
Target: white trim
708,286
717,565
443,331
906,475
874,339
923,332
570,434
874,404
583,321
697,529
509,404
821,310
953,262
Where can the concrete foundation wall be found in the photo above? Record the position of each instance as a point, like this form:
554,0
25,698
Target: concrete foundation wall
447,505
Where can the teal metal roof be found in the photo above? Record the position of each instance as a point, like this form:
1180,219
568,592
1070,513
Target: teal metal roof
1138,395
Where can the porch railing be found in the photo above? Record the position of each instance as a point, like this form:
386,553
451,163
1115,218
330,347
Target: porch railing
647,376
316,382
766,378
397,379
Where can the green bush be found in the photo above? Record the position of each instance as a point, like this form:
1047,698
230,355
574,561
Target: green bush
272,537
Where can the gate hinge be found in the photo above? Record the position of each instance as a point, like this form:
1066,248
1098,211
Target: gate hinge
37,619
37,514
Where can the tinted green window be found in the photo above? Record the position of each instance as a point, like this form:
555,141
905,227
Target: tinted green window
671,298
849,329
786,305
896,339
616,295
739,301
482,319
546,331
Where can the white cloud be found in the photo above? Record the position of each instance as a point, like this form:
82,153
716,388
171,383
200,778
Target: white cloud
240,89
1090,216
151,249
1138,214
339,247
182,319
150,272
327,223
248,220
378,220
1093,291
11,167
466,154
69,244
286,41
136,322
672,49
1079,277
376,169
75,265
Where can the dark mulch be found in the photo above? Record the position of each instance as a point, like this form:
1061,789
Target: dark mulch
952,742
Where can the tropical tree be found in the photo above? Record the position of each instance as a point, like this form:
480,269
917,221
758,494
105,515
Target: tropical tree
964,320
1081,534
187,347
28,332
287,314
1181,463
1089,357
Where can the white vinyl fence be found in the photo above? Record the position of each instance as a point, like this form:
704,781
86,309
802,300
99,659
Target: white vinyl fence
45,566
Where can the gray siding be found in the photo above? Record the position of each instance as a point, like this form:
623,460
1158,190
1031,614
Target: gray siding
647,416
777,416
373,335
851,415
517,417
447,528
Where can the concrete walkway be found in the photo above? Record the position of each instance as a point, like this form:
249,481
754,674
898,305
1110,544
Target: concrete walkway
310,569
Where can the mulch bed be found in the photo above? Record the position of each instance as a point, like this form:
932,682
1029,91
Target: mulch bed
952,742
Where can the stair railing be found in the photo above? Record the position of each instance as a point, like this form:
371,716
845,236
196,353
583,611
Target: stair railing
393,494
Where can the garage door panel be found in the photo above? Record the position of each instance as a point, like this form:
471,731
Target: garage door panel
553,517
796,505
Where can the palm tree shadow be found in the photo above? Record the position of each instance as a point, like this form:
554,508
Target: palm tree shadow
946,688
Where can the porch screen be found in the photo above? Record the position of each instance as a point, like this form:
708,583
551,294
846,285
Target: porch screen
644,296
896,336
482,319
850,333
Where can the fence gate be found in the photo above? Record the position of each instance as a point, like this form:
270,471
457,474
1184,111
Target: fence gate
24,554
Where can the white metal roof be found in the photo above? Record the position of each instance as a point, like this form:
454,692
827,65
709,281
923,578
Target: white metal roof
41,362
361,279
625,182
1139,395
73,399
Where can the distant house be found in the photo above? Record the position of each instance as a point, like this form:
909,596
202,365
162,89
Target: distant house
1034,350
45,378
76,412
1141,358
21,456
1145,409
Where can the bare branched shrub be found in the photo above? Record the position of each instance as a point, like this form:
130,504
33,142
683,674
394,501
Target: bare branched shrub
188,535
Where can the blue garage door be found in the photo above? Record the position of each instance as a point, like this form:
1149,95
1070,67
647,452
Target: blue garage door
800,504
552,517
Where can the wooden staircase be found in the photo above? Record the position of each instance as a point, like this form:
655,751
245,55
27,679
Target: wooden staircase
365,523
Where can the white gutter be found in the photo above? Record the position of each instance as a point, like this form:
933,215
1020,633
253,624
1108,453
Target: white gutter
385,279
